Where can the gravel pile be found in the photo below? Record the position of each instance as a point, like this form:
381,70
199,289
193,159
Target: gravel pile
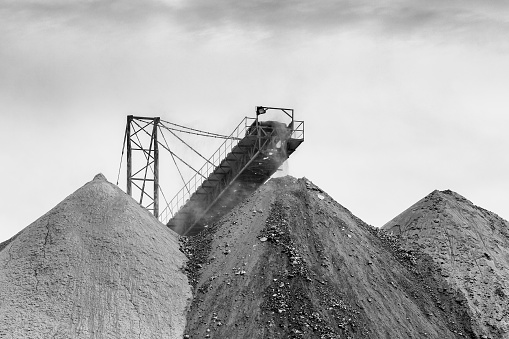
287,262
290,262
471,247
96,266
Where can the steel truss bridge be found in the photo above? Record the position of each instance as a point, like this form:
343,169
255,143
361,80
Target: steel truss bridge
247,158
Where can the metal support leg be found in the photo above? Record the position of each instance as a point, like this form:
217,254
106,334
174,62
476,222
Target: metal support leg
129,156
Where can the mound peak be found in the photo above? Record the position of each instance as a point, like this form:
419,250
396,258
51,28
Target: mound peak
471,245
97,265
100,176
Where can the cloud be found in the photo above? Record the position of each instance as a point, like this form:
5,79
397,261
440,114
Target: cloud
84,14
274,18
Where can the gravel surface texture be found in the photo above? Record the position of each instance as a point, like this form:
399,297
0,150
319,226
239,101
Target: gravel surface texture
471,246
96,266
290,262
287,262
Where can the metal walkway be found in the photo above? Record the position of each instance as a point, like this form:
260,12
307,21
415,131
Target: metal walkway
252,154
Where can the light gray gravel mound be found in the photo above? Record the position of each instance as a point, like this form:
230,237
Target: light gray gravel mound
97,265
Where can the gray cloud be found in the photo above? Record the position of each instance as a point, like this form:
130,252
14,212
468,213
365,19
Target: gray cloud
275,18
83,14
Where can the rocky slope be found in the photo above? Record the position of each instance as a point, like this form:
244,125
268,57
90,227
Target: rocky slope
95,266
471,245
290,262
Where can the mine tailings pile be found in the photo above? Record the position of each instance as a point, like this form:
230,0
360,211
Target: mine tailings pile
286,262
471,247
97,265
290,262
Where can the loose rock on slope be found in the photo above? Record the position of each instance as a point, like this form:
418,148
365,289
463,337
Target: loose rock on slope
96,266
471,245
290,262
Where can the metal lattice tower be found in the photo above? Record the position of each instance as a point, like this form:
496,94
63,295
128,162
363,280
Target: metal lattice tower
138,130
248,157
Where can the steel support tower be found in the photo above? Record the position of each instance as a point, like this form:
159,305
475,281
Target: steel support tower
142,144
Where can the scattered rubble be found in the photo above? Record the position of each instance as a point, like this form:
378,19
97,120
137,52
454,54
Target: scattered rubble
305,267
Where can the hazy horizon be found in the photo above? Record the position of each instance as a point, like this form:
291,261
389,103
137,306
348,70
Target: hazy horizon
398,98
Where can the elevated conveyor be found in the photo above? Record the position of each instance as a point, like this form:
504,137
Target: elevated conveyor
252,154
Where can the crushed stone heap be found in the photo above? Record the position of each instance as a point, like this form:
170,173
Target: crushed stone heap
95,266
471,245
290,262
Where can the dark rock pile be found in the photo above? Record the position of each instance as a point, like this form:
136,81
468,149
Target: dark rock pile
289,262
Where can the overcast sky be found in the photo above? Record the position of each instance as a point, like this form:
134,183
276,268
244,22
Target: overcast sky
399,97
